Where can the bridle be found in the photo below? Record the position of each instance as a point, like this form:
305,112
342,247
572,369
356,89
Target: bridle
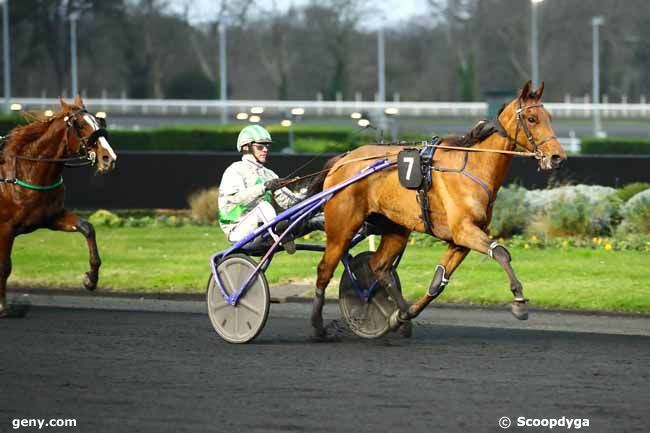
521,122
86,155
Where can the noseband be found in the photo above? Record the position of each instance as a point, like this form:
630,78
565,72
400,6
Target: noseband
521,122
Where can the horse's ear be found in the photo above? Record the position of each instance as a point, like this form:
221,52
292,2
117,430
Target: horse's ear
64,105
539,92
78,102
525,92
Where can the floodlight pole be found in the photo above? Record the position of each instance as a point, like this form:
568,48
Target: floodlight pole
223,72
595,23
381,77
534,42
6,53
73,53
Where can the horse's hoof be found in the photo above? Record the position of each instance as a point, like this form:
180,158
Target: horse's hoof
90,281
520,310
405,330
394,321
332,332
15,311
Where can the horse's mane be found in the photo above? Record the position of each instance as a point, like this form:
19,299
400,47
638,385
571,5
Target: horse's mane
482,130
25,134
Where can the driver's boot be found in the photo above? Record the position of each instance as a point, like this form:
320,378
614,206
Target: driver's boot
287,242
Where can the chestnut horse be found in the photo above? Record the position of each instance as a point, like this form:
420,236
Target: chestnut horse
460,205
32,158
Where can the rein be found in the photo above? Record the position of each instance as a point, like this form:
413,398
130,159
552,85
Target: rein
79,160
386,155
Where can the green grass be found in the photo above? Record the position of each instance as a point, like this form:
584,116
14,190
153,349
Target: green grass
176,260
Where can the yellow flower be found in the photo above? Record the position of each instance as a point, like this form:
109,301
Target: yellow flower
525,246
501,240
565,243
533,238
412,241
608,246
594,240
306,237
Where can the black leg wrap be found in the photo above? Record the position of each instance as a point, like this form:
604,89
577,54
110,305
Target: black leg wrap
85,228
438,283
499,252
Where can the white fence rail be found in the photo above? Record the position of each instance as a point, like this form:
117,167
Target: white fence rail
187,107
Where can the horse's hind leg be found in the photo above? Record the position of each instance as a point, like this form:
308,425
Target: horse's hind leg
449,262
337,244
69,222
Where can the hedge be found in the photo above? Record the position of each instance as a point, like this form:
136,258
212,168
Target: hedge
222,137
307,138
9,122
615,145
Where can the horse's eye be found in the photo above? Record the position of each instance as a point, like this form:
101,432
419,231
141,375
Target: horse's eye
532,120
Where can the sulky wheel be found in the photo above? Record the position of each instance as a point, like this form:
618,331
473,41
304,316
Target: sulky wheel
366,319
242,322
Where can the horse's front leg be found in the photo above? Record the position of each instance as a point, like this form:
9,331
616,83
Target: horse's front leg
6,243
471,236
69,222
452,258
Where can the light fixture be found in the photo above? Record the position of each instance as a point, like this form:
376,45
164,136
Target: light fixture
286,123
48,113
298,111
16,107
391,111
363,123
355,115
100,115
254,119
242,116
257,110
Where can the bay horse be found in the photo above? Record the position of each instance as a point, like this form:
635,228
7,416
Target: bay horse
32,158
459,210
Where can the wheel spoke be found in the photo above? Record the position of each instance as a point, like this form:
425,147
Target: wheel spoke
236,321
219,307
230,287
247,305
380,307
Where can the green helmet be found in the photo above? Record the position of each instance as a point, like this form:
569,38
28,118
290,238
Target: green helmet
252,134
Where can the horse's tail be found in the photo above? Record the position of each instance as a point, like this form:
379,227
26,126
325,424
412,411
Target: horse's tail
317,184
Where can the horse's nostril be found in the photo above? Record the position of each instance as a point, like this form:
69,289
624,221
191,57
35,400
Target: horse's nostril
106,159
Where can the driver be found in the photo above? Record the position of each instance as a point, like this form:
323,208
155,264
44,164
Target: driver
247,188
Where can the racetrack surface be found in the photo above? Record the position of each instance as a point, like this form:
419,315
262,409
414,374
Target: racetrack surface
132,371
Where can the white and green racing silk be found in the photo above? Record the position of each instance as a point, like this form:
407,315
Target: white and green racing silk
242,188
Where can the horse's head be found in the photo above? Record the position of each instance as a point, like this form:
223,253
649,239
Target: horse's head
86,135
528,124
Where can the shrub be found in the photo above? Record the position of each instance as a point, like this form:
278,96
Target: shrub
576,214
540,199
204,205
636,214
105,218
631,189
511,213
